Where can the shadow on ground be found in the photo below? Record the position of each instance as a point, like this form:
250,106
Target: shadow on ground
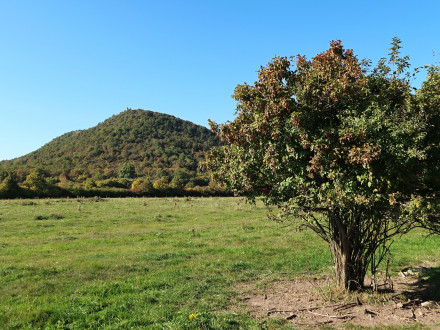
427,287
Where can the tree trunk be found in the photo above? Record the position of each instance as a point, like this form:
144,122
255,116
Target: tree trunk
350,256
350,274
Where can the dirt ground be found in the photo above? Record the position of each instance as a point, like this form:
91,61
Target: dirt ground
402,300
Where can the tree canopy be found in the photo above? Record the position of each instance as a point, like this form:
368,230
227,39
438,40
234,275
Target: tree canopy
343,148
127,171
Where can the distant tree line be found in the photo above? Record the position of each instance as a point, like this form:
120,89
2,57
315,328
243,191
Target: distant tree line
39,184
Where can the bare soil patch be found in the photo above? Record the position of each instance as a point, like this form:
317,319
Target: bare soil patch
410,297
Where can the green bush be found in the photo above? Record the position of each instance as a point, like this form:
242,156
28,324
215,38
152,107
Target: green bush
127,171
143,186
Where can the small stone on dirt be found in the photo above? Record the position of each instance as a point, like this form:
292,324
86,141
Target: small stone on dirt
427,303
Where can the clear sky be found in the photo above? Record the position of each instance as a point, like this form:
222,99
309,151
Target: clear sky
68,65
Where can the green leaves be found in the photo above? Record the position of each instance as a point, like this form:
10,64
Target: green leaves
127,171
329,136
326,126
149,140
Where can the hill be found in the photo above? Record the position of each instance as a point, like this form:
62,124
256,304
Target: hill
156,144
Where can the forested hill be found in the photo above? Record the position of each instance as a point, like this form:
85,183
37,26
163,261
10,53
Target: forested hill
151,141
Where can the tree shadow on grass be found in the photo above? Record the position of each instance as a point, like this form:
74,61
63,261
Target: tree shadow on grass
427,287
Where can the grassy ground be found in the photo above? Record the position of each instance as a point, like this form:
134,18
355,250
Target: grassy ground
152,263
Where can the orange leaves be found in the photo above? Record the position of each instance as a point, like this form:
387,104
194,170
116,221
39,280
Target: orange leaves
304,141
331,80
347,136
262,106
322,108
350,138
364,154
276,70
295,122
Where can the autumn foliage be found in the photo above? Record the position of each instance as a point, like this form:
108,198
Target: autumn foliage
340,147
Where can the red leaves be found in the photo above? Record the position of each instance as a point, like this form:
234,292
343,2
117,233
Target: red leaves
304,141
316,125
364,154
347,136
318,138
330,82
295,122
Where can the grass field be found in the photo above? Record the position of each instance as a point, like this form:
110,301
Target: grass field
152,263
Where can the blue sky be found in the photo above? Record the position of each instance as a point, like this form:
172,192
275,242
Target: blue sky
68,65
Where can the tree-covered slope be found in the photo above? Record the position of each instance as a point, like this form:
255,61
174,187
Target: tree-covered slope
151,141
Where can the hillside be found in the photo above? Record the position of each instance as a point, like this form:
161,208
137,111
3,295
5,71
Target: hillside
151,141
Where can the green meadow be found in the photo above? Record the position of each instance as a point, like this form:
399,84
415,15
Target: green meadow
172,263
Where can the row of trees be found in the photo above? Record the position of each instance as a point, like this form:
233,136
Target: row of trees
348,150
39,183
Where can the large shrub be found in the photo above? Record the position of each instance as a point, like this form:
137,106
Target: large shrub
339,147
